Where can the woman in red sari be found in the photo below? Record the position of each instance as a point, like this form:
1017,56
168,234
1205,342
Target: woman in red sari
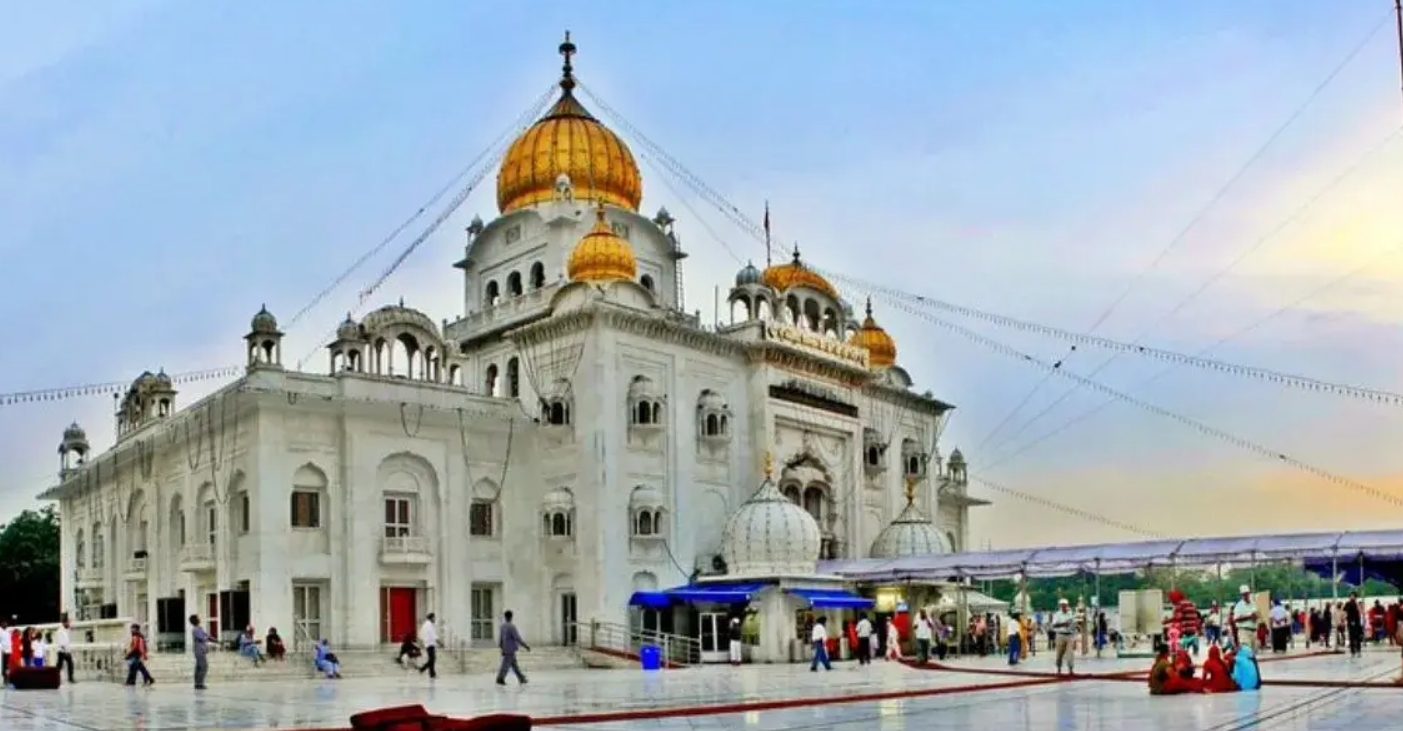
1216,678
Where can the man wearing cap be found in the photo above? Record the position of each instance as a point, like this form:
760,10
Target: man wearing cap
1064,627
1244,617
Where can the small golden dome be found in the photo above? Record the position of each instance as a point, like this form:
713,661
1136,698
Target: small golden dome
602,255
568,140
780,277
881,348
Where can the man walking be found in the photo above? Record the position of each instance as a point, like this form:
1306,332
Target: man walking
428,634
199,644
1064,624
63,642
509,641
864,640
734,635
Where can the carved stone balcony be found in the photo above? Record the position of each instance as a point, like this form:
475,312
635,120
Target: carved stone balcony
135,569
89,578
196,557
404,550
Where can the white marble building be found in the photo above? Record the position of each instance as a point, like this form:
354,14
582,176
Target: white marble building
575,437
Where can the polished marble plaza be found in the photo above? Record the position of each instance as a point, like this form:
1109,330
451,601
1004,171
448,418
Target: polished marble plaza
1091,705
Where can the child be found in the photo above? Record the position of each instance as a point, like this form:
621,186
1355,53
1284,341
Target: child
41,646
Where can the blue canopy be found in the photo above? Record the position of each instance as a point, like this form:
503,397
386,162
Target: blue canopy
832,598
717,593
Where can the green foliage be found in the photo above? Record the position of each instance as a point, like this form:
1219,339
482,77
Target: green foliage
1285,580
29,566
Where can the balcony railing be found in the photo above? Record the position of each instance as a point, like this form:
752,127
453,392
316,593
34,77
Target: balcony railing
197,557
404,549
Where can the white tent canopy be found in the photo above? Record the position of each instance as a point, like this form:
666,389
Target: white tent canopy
1120,558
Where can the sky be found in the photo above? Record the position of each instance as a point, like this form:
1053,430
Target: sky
1194,176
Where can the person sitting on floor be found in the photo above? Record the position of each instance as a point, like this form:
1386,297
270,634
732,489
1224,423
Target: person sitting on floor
273,645
1216,678
248,646
1167,676
326,660
408,649
1245,671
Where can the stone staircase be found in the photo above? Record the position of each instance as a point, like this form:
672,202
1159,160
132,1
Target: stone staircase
231,667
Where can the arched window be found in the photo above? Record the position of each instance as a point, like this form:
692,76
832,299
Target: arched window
514,284
647,281
490,384
513,377
791,492
643,414
538,275
492,294
813,503
80,548
712,425
643,523
874,455
556,411
558,524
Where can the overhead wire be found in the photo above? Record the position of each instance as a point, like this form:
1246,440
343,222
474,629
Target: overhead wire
1220,434
61,393
921,305
1198,218
395,234
1064,426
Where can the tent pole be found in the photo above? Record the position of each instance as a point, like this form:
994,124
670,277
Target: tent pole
1335,578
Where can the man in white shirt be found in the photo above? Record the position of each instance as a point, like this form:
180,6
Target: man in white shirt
1064,627
864,640
428,634
63,643
819,637
1244,617
924,634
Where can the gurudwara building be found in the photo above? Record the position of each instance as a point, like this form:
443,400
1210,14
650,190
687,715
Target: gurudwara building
574,440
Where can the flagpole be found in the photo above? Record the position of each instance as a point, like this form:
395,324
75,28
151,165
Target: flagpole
767,229
1398,19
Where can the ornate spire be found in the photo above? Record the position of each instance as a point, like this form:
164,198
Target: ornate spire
567,71
869,307
910,491
769,467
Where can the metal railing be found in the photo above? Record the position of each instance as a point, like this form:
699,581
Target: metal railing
610,636
402,545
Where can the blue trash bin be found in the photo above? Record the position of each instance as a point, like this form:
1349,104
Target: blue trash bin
651,657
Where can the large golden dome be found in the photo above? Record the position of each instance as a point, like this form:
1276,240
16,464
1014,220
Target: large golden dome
569,140
881,348
602,255
781,277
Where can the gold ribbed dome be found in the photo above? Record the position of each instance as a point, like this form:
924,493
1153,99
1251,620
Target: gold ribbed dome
602,255
569,140
780,277
881,348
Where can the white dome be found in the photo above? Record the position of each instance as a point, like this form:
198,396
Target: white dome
911,534
771,536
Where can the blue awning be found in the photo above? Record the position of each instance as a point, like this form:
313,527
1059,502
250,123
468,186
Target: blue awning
695,594
650,600
715,593
832,598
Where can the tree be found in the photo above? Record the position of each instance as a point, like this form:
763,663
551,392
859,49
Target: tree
29,566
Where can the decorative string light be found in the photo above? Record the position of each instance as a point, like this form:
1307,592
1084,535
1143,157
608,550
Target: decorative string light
64,393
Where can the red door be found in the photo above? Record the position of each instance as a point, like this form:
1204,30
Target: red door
212,616
398,606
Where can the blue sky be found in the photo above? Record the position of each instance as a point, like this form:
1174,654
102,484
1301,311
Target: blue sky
167,167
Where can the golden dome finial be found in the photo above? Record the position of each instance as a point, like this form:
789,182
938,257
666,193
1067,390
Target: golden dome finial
881,348
602,255
794,273
769,467
910,490
567,71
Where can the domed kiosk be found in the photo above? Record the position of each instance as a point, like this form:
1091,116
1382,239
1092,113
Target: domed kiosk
770,551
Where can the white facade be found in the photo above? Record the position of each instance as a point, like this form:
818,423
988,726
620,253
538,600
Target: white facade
564,444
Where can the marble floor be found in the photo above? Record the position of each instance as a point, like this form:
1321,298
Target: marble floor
905,699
